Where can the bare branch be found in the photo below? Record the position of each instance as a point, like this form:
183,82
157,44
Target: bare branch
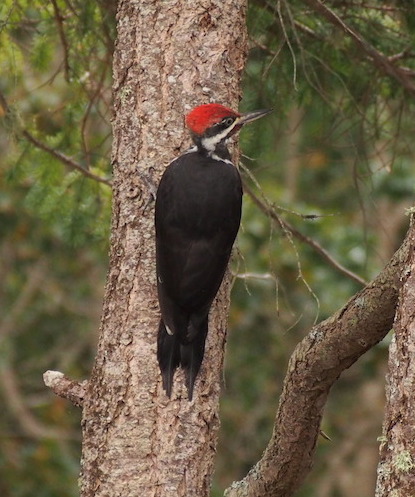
331,347
93,95
69,389
55,153
64,158
59,21
270,211
254,276
381,8
382,62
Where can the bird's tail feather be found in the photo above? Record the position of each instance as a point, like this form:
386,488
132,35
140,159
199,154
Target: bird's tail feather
168,355
191,355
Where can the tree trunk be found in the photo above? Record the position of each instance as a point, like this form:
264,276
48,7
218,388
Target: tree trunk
169,56
396,470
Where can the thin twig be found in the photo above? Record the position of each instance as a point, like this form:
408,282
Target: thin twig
270,211
59,21
287,39
254,276
381,61
316,364
55,153
382,8
91,101
64,158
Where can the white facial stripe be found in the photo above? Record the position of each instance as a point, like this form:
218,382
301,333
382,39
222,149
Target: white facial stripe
210,142
216,157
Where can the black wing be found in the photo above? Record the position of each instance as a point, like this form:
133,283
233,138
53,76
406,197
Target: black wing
198,212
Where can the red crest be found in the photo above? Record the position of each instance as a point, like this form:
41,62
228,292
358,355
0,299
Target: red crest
203,117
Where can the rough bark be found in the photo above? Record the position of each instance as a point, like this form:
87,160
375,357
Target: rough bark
317,362
169,56
396,470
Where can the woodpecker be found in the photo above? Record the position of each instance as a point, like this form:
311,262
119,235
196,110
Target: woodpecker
197,217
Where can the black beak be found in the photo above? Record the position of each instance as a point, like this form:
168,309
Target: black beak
248,117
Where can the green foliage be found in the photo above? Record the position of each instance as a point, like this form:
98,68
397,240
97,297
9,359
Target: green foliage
334,161
59,56
54,227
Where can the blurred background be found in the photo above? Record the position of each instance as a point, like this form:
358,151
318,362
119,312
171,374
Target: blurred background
334,161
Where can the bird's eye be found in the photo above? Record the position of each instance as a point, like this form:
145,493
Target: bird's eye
228,121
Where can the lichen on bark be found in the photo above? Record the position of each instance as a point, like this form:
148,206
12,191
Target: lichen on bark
396,469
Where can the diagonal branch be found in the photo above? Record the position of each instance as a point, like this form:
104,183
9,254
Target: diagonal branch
64,158
54,153
382,62
285,226
331,347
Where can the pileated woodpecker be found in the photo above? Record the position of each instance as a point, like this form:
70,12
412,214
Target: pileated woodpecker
198,212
